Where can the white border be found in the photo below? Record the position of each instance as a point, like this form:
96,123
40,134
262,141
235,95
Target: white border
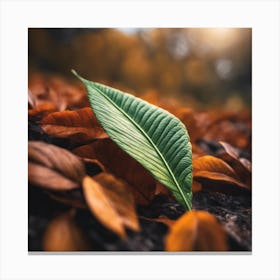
17,16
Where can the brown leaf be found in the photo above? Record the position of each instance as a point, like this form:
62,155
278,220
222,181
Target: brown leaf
187,116
230,150
80,126
111,201
196,231
63,234
120,164
241,165
220,182
163,190
45,92
52,167
213,164
40,111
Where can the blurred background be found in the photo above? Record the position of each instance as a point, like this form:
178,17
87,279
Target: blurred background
199,67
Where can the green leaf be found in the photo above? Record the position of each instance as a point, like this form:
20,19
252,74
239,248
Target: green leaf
151,135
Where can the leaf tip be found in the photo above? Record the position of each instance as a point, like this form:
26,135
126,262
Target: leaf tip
77,75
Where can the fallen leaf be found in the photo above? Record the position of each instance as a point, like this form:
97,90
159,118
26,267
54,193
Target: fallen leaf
63,234
230,150
53,168
111,202
161,189
213,164
232,128
196,231
187,116
80,126
246,163
45,92
241,165
220,182
122,166
40,111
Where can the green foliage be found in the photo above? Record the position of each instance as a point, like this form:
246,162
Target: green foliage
151,135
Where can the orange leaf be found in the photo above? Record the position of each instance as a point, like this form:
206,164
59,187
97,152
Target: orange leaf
80,126
213,164
120,164
52,167
41,111
196,231
111,202
220,182
62,234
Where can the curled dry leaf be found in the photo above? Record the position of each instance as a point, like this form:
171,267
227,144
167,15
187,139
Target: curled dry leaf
80,126
216,175
53,168
63,234
213,164
122,166
220,182
112,203
196,231
241,165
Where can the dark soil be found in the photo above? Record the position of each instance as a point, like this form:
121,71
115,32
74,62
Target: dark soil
234,213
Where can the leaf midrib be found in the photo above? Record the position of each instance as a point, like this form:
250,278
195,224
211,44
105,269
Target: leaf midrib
151,142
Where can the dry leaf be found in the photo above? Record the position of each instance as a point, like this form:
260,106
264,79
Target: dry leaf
45,92
52,167
120,164
220,182
187,116
80,126
40,111
216,175
162,190
63,234
241,165
213,164
196,231
230,150
111,202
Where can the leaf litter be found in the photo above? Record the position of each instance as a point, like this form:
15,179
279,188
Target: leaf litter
60,162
